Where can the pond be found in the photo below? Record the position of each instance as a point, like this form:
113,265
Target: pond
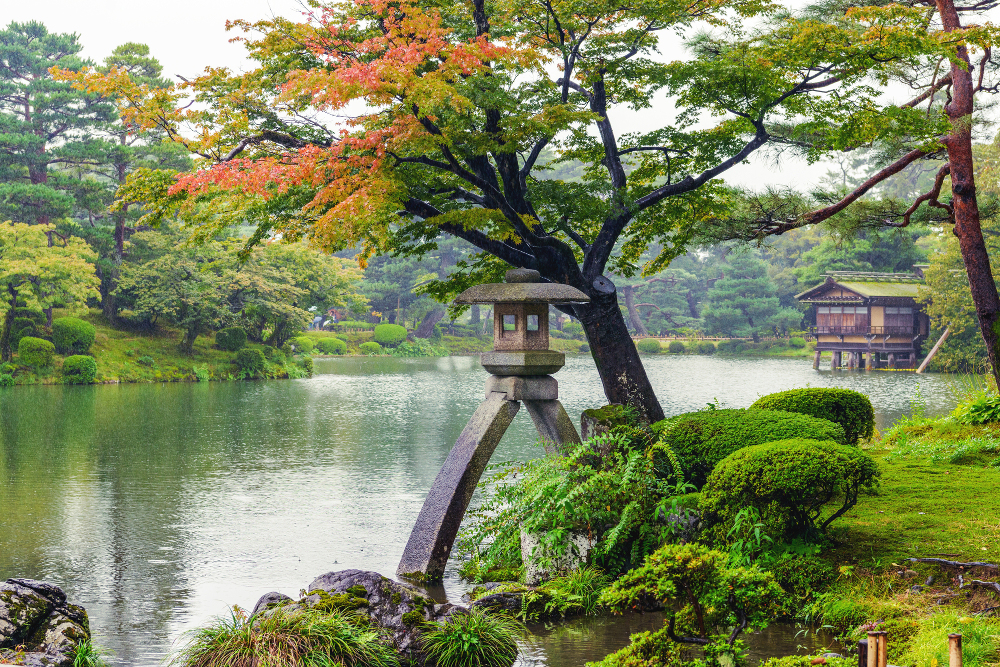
158,506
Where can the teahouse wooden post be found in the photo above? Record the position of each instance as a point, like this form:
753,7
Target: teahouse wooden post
955,650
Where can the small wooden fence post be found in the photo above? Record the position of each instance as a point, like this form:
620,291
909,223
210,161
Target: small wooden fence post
883,649
872,649
954,650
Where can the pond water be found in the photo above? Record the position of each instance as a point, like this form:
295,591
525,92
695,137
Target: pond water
158,506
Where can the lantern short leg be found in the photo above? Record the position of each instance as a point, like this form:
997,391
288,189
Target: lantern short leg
553,424
433,535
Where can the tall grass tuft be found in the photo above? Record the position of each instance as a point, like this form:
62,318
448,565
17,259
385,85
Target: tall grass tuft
574,593
87,655
298,637
980,641
475,639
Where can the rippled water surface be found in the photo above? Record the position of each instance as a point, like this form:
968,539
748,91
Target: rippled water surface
157,506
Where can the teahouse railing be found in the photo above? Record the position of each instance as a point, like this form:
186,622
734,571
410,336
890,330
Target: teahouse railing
863,330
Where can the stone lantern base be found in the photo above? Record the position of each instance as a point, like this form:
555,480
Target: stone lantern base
523,362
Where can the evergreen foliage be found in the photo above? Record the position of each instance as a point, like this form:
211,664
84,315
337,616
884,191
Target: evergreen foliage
648,346
72,335
331,346
302,344
231,339
250,361
676,347
706,347
370,348
20,328
789,482
35,352
701,439
851,409
79,369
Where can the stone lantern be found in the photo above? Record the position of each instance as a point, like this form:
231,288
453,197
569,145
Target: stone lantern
520,367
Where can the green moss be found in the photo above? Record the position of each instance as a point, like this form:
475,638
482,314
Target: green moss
414,617
358,591
338,602
396,598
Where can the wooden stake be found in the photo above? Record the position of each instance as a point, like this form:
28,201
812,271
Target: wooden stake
863,653
883,649
954,650
873,649
927,360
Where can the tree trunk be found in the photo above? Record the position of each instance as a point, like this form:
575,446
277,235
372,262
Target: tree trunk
618,363
5,351
964,202
474,317
633,314
426,328
692,302
187,342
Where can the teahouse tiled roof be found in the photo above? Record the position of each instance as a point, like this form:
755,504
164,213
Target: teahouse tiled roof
866,285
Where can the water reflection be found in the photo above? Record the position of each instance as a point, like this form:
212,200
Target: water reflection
156,506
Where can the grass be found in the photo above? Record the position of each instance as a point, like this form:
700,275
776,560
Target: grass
87,655
281,637
473,639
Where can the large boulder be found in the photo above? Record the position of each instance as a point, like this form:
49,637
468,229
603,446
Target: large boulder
38,627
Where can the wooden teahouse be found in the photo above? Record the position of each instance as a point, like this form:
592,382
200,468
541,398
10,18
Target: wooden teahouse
869,320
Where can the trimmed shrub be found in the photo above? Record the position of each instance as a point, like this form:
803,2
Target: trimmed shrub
851,409
302,344
797,342
79,369
390,335
676,347
706,347
307,364
250,361
584,349
6,380
331,346
648,346
21,327
231,339
729,346
274,355
352,324
701,439
370,348
35,352
36,316
72,335
789,482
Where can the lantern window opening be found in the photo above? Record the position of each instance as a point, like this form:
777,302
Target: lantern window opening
510,323
532,323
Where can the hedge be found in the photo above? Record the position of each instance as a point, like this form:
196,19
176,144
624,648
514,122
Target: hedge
706,347
351,324
21,327
789,482
250,361
676,347
72,335
302,344
797,342
231,339
702,439
849,408
370,348
36,316
390,335
331,346
79,369
648,346
35,352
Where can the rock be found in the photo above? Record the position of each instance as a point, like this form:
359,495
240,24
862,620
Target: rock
916,588
389,604
575,555
36,619
268,598
506,601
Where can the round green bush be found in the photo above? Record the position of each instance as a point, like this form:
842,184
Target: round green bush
35,352
302,344
706,347
21,327
790,482
250,361
72,335
331,346
231,339
851,409
729,346
584,349
797,342
79,369
370,348
701,439
676,347
390,335
648,346
6,380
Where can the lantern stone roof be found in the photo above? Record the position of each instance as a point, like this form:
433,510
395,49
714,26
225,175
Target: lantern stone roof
522,286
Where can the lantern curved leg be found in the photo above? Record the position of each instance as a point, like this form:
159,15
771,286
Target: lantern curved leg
434,533
553,424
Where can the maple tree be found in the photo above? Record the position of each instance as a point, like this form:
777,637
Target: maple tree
41,273
381,124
